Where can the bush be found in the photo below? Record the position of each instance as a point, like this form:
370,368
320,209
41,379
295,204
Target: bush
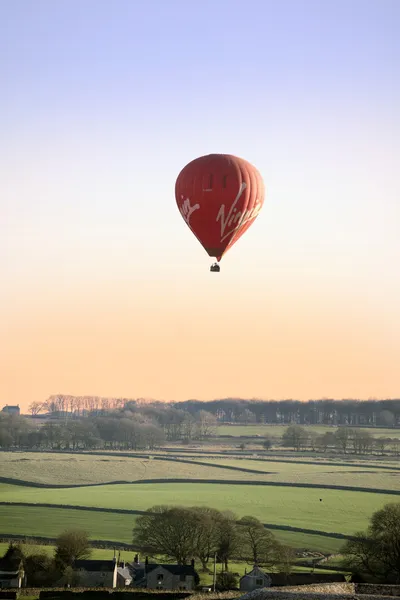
226,581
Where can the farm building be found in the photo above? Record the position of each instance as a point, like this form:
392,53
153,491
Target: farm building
259,579
11,410
124,575
119,574
254,580
96,573
171,577
11,573
162,576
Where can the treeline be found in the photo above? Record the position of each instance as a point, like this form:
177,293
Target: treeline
371,413
149,430
200,532
344,439
121,429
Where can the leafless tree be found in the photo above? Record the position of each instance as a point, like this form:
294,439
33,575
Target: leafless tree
35,408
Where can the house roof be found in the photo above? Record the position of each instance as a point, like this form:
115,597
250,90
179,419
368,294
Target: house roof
95,565
137,573
124,572
7,576
256,572
174,569
10,565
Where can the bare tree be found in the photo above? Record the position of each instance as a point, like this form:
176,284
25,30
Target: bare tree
296,437
166,530
188,427
257,545
377,551
285,557
362,441
35,408
343,437
381,444
70,546
227,538
206,538
206,424
325,440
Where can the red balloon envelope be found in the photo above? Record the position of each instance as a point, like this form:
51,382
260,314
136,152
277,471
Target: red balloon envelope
219,196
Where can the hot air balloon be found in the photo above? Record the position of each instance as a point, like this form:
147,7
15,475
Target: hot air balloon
219,196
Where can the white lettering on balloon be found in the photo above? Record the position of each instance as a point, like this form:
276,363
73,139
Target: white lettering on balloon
236,218
187,210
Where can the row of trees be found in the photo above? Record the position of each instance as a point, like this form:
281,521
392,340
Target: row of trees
84,434
127,430
121,429
201,532
382,413
181,533
344,439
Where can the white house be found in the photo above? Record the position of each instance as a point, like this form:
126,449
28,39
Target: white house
170,577
254,580
11,573
96,573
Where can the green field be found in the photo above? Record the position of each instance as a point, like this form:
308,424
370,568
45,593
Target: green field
64,469
276,431
97,553
339,511
315,508
320,473
49,522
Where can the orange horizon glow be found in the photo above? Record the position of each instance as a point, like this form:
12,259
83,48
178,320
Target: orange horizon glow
129,345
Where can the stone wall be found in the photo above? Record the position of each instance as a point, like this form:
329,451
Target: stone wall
378,589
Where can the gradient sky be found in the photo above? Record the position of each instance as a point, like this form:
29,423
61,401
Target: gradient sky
105,291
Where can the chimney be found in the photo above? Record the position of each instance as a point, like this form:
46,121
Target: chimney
136,559
192,563
119,555
146,564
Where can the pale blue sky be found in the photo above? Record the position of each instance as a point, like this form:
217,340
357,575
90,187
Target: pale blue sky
102,103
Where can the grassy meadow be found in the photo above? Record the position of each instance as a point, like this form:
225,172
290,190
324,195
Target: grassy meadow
97,553
276,431
338,512
116,481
